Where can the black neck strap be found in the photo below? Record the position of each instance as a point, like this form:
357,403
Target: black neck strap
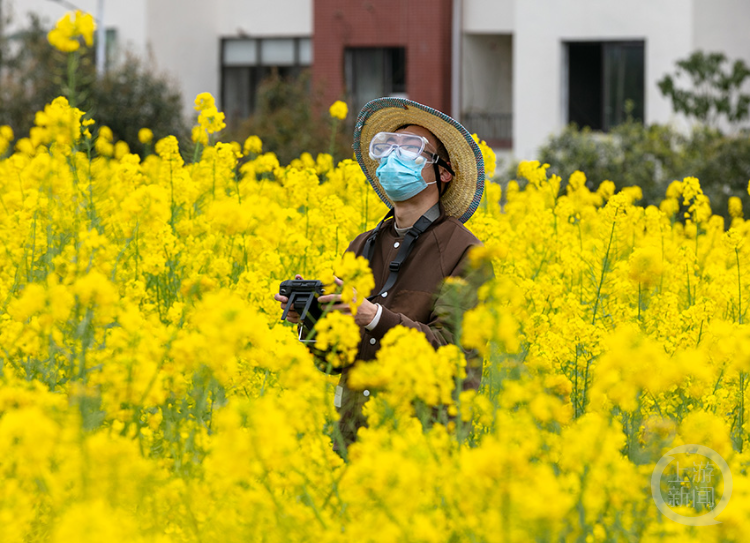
370,243
395,266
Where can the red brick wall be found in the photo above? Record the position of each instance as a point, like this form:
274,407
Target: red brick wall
423,27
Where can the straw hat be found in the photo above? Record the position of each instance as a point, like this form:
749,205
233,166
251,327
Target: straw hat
464,192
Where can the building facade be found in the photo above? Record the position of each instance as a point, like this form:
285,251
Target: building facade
364,50
514,71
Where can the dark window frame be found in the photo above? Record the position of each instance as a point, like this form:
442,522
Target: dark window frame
257,71
607,119
394,74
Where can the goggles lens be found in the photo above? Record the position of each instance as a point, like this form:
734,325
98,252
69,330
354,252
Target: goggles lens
407,145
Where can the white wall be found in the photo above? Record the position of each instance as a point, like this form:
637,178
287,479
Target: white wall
128,17
722,26
258,18
183,40
489,16
541,27
182,37
185,35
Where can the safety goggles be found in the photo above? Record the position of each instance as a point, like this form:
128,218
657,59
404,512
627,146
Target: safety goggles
406,145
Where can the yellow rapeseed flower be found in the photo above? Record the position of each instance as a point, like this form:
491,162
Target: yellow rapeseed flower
168,149
211,120
356,274
199,135
733,239
145,136
339,110
6,136
490,159
140,330
86,26
69,28
576,181
121,149
533,171
646,265
204,100
338,336
253,145
735,207
103,143
59,122
6,132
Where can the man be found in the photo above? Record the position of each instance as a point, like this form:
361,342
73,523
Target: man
427,168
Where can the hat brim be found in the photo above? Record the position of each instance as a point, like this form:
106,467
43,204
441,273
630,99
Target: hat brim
464,192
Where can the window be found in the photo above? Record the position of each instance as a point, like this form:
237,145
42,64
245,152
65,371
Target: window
111,48
247,62
602,78
372,72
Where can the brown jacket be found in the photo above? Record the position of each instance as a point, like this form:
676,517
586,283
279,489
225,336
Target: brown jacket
416,300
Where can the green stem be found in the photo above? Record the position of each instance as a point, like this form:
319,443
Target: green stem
137,255
656,403
237,184
605,265
196,152
91,210
580,273
663,260
307,234
575,384
741,414
30,265
739,287
72,69
171,185
334,129
213,184
585,385
639,301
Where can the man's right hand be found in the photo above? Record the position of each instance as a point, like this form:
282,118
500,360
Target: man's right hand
292,316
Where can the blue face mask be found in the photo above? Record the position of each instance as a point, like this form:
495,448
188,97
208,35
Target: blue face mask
401,178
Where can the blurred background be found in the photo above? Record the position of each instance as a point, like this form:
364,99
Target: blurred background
636,91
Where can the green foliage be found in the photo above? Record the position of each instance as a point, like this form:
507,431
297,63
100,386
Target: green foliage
651,157
31,71
722,163
291,120
131,97
714,90
126,98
